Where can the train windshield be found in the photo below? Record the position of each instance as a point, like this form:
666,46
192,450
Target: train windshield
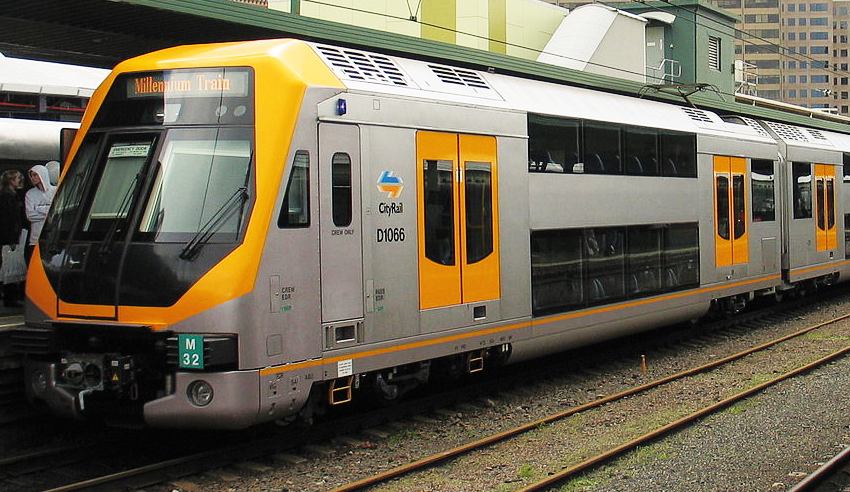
168,158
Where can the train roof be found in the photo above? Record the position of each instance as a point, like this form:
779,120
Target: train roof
378,73
57,79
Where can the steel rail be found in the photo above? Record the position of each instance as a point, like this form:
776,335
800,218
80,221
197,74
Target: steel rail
504,435
827,470
650,436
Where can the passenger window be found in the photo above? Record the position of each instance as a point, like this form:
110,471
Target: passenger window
821,221
681,257
641,152
479,211
605,264
722,195
439,211
740,212
556,265
846,167
801,173
846,236
341,189
553,145
678,154
644,261
295,211
602,149
764,201
830,204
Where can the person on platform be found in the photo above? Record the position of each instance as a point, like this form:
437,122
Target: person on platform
11,214
37,203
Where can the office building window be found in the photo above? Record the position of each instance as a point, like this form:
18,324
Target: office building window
819,36
818,7
820,79
792,93
819,50
817,21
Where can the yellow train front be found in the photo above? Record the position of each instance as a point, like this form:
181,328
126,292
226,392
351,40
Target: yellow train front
144,300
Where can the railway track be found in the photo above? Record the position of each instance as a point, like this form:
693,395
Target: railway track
560,476
271,445
832,476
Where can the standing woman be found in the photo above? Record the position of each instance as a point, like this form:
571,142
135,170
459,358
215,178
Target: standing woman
37,203
11,213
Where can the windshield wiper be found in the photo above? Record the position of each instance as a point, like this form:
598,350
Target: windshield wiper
218,218
109,238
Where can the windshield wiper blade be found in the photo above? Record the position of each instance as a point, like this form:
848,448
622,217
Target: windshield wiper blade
109,238
205,233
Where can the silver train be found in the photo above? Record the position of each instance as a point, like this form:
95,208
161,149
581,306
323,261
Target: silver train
297,225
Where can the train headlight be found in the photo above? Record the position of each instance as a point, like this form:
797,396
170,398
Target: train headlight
200,393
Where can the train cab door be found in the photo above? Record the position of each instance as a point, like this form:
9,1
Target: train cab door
825,231
458,235
340,241
731,236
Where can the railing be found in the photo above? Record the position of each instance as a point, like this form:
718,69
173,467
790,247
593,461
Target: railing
746,78
665,72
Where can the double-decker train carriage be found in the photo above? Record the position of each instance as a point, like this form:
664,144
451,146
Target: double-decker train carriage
250,231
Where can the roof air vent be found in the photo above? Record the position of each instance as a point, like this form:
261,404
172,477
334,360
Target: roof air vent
698,115
459,76
817,134
756,126
787,132
360,65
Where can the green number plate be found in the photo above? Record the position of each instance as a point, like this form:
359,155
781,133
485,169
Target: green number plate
191,351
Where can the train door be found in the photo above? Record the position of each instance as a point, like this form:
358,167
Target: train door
340,245
825,231
457,225
730,199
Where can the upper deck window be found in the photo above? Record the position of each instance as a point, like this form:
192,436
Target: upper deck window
218,96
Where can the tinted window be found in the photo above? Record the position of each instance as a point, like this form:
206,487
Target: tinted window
801,173
295,210
641,152
830,204
764,201
479,211
601,149
722,197
740,213
605,262
643,275
846,235
678,154
681,257
341,189
846,160
556,271
439,211
553,144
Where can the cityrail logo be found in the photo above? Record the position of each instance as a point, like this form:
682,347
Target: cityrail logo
389,184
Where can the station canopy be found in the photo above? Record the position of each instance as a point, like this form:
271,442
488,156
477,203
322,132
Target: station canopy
100,33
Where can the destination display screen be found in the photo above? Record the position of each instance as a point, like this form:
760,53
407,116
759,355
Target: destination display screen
220,95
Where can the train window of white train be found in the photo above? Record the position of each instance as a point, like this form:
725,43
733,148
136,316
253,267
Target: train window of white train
680,260
479,211
821,220
553,145
641,151
556,266
643,275
846,167
830,203
295,210
604,265
341,189
602,153
722,197
846,236
764,200
438,190
199,174
69,195
678,154
739,210
118,181
802,193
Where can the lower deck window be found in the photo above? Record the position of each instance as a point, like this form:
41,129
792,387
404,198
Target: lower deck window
577,268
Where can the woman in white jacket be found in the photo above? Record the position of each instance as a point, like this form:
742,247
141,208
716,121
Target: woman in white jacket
37,203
